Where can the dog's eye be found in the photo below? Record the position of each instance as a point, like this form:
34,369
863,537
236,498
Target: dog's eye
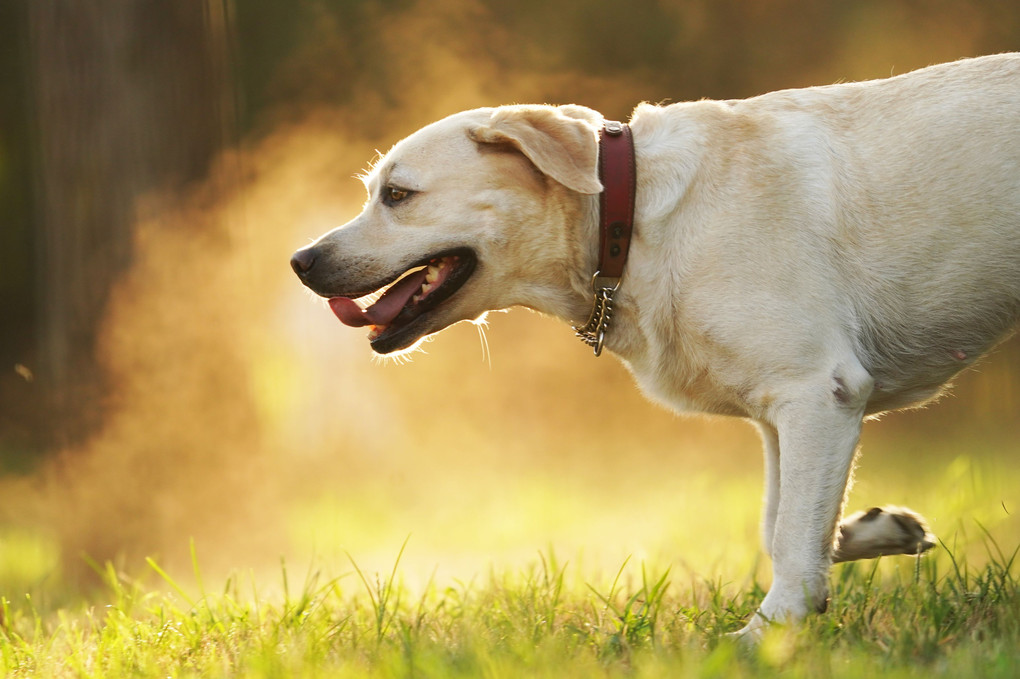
391,195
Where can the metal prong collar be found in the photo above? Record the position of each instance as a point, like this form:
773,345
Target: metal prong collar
593,333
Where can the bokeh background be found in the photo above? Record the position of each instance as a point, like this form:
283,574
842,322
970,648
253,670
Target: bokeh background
165,381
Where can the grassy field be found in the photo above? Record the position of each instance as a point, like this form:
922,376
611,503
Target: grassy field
936,617
462,599
518,574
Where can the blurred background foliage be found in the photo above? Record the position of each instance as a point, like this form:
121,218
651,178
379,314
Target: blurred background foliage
159,368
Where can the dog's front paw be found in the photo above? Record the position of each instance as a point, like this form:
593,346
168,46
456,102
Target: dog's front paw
882,531
751,633
787,603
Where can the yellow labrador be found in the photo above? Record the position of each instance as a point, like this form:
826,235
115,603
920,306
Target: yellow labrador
803,259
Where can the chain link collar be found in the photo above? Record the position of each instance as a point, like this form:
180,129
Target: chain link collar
593,333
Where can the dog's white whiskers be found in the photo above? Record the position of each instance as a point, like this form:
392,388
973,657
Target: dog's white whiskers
486,353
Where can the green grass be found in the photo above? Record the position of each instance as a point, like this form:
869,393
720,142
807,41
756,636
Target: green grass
933,617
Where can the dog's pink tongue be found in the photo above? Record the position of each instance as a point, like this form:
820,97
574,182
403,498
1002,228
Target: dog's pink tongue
385,309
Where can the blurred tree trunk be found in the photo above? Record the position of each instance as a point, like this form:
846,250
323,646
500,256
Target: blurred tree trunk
128,97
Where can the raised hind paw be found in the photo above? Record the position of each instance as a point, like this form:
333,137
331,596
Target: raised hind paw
882,531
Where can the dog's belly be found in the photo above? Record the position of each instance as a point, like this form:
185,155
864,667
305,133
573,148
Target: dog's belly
912,364
935,284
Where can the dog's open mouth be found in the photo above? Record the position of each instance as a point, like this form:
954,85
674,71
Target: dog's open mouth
396,310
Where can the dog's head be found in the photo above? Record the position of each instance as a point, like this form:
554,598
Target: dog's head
470,214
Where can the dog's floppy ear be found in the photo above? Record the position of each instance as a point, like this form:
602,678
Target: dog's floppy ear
560,141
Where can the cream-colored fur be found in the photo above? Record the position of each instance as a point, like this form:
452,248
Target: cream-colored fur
802,259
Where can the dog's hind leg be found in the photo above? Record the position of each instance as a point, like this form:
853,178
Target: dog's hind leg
882,531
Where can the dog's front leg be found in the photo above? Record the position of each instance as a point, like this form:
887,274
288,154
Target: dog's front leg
818,433
770,505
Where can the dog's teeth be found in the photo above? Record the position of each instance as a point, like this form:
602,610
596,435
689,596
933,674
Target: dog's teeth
432,274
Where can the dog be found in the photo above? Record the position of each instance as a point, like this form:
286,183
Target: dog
804,259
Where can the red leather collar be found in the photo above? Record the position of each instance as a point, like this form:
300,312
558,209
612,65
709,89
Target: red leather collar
616,223
618,175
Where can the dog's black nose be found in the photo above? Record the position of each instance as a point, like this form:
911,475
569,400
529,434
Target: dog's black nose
303,261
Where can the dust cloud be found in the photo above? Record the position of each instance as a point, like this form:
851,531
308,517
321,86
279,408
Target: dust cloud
237,395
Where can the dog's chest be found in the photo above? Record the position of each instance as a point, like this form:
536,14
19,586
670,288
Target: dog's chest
672,380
